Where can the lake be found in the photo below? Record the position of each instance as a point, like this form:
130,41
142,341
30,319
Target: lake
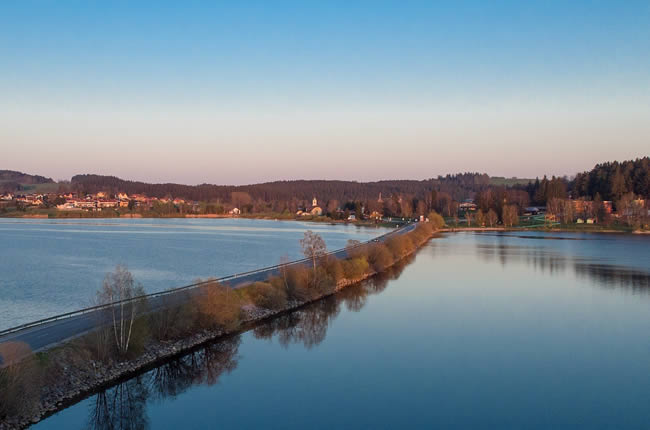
54,266
499,330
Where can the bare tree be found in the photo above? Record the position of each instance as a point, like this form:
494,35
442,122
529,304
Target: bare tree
240,199
468,218
510,215
313,246
554,207
480,218
492,217
120,288
568,211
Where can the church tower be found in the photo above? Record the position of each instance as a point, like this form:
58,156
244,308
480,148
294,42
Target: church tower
314,202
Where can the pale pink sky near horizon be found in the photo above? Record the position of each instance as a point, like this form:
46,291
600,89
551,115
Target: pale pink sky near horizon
251,146
241,92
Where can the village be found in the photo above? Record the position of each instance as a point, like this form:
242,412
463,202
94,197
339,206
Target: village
467,212
89,202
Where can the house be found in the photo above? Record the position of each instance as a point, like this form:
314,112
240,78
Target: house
352,217
105,203
83,204
467,206
7,197
532,210
67,206
582,206
31,200
234,211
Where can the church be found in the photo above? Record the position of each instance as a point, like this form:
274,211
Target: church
313,210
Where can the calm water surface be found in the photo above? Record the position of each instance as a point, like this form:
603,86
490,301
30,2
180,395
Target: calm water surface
507,331
49,267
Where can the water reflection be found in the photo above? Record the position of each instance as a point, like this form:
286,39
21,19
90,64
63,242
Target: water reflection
308,325
553,260
615,276
124,406
121,407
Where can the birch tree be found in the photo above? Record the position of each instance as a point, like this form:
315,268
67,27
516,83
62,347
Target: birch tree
313,247
492,218
120,288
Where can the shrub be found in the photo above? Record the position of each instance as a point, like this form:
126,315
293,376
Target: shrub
20,379
218,306
322,282
266,295
436,220
421,233
357,251
333,267
171,321
139,336
355,268
400,246
379,257
298,281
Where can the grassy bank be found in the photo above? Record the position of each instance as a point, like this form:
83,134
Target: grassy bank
43,383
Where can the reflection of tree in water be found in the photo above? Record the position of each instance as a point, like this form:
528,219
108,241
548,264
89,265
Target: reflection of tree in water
615,276
547,261
202,366
308,325
123,406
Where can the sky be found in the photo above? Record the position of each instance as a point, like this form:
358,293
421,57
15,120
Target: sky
253,91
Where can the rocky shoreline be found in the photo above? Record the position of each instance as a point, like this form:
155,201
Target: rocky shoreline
77,383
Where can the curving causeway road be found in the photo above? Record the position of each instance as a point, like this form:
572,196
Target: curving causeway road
52,331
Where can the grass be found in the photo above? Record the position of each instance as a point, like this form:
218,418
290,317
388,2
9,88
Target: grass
589,227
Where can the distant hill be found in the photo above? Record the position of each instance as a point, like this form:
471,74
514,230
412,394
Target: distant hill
459,186
12,181
23,178
278,190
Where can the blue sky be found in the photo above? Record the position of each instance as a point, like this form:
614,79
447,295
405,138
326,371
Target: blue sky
243,92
